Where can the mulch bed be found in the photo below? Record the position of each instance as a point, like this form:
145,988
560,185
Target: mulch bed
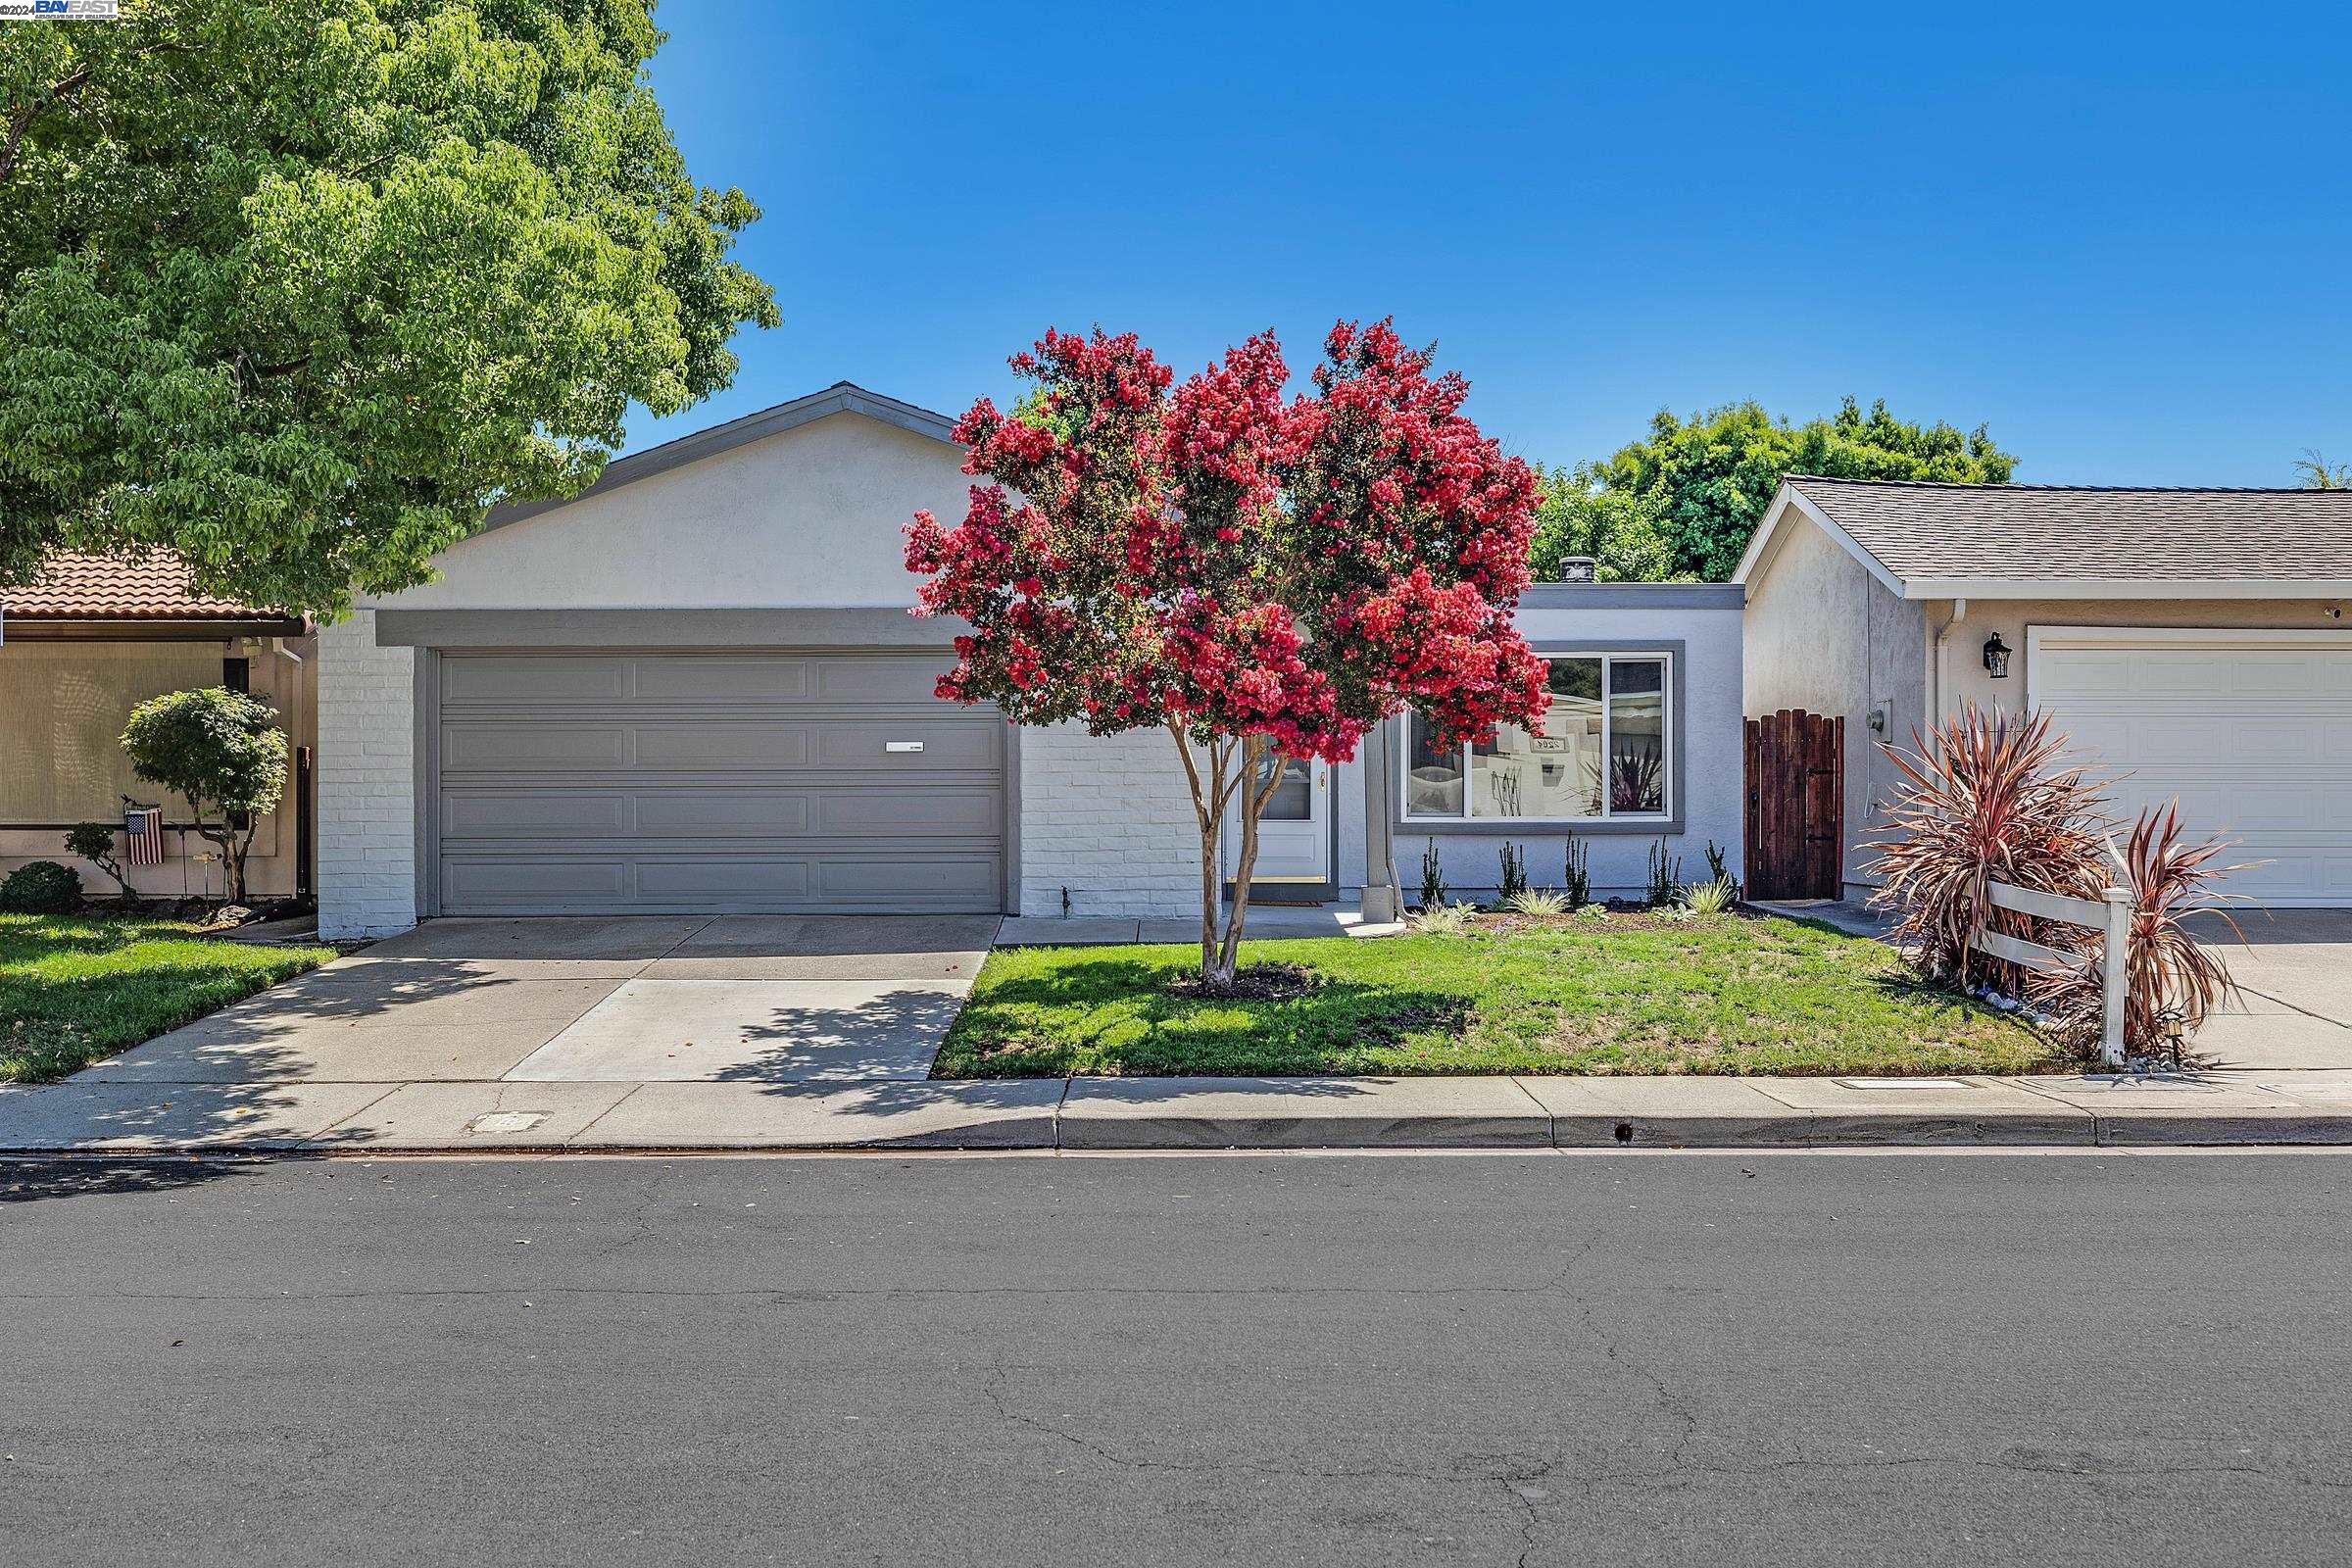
1256,982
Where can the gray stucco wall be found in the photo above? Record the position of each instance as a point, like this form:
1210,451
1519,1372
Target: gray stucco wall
1703,627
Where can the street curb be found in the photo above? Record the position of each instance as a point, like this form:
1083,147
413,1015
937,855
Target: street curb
2221,1109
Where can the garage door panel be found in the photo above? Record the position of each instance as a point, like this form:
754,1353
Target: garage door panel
2255,742
745,743
903,813
492,679
467,815
652,781
688,679
955,878
946,744
493,748
907,681
508,883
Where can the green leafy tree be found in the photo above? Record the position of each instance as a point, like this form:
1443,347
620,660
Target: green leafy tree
2317,473
299,289
223,754
1623,532
1706,480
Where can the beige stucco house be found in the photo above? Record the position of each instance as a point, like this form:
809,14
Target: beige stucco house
2190,643
89,640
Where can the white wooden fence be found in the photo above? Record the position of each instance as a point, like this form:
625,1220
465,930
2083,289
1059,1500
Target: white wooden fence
2110,913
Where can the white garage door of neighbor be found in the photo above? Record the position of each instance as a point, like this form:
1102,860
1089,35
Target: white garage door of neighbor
2251,730
642,782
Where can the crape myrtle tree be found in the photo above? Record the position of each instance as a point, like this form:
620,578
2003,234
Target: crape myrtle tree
1264,579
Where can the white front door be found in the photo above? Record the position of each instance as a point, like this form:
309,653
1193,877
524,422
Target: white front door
1294,831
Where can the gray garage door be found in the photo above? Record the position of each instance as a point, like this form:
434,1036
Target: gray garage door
642,782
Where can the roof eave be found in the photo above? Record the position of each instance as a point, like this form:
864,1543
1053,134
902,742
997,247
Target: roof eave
1790,500
34,626
2127,588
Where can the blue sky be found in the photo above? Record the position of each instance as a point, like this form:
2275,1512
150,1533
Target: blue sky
2117,237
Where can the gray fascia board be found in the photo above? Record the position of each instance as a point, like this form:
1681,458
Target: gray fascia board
1633,596
843,397
881,627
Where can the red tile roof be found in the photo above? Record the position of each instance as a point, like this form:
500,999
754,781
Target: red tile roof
149,587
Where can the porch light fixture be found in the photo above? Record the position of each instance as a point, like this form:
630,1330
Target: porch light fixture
1996,656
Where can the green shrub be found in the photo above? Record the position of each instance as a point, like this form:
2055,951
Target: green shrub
42,887
1445,919
1531,901
1712,897
1514,873
94,842
1577,886
1433,877
1665,876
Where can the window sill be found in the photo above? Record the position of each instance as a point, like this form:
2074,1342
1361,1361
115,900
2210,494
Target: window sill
1539,827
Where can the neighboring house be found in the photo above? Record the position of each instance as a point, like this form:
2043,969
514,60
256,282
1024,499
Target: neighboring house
2190,643
84,644
697,687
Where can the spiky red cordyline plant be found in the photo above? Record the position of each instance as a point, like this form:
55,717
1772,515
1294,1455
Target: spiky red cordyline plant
2168,975
1988,798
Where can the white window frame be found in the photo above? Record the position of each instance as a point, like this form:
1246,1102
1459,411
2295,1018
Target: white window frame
1668,718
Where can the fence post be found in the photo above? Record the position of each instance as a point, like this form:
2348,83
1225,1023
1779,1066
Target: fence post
2116,977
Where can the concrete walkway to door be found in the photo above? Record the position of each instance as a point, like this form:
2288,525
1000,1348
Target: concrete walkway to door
650,1031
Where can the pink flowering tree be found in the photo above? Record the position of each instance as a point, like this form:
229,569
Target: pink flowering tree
1264,577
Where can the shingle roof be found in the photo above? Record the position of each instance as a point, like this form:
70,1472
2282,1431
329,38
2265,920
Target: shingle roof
2056,533
150,587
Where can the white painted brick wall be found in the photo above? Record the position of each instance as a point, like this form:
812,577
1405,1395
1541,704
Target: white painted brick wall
366,782
1112,821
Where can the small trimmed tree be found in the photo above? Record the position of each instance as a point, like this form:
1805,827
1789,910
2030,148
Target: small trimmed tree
1265,580
94,842
223,752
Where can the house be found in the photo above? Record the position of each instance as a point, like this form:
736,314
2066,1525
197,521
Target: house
89,640
697,687
2190,643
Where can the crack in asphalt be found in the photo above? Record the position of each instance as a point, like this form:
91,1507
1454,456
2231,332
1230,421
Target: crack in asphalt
1509,1471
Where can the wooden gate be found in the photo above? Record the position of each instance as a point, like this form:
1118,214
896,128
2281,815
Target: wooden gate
1795,806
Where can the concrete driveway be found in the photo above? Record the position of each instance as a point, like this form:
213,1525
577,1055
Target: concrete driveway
531,1031
2293,969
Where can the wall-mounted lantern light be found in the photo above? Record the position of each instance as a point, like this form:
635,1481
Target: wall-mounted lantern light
1996,656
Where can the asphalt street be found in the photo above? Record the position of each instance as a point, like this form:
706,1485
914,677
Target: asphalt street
1491,1360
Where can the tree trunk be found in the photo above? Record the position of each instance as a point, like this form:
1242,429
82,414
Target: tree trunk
233,850
1208,812
1256,756
1220,956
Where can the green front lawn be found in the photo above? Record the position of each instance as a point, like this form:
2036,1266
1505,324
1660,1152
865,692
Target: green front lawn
1722,993
75,989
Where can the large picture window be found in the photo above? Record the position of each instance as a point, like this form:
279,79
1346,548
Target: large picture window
1603,754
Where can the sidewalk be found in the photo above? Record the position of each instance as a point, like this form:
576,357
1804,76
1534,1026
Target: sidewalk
2225,1108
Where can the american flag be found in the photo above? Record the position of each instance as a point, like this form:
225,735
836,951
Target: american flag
143,835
